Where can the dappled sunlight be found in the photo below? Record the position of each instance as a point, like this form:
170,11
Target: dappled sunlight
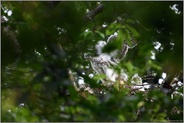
90,61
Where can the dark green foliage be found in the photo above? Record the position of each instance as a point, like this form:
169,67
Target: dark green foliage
42,41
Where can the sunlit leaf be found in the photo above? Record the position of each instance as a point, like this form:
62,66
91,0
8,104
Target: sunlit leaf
100,76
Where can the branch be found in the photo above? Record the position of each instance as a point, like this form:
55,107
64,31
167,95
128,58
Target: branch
91,14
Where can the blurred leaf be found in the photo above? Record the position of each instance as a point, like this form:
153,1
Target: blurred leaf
100,34
42,40
100,76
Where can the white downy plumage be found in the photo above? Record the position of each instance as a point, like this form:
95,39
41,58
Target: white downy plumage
103,63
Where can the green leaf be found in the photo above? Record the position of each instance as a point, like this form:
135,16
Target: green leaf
140,104
88,34
99,76
100,34
133,31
